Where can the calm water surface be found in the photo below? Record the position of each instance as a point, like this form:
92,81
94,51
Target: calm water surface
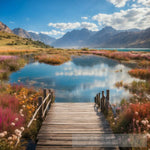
127,49
78,80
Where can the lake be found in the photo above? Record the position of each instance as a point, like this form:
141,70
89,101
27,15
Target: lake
127,49
78,80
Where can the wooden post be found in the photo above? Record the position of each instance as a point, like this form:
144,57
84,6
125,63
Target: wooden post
44,96
52,94
44,93
107,97
99,99
107,101
40,100
103,101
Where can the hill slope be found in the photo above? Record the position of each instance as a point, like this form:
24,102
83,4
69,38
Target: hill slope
5,28
10,39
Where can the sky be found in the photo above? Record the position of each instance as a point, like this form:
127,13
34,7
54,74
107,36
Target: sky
56,17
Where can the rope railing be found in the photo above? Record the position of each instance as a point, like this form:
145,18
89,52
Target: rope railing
43,107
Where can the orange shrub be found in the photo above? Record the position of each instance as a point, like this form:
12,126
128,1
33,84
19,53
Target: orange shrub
140,73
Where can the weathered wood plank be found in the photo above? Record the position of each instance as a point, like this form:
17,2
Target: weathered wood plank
73,126
73,148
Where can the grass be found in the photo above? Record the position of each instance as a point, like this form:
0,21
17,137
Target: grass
9,39
125,120
9,63
17,105
126,56
54,59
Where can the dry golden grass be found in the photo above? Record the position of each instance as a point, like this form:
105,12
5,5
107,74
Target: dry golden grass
54,59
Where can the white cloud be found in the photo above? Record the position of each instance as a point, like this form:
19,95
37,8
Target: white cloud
89,26
144,2
118,3
53,32
68,26
65,26
33,32
126,19
85,18
135,5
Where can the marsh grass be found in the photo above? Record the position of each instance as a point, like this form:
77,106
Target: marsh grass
54,59
9,63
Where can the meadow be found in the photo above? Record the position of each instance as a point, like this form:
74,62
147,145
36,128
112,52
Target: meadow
18,103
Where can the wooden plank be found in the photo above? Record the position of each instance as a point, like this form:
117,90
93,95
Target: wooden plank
73,124
48,135
74,143
73,148
100,131
82,137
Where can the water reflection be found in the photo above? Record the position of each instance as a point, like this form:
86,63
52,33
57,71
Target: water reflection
78,80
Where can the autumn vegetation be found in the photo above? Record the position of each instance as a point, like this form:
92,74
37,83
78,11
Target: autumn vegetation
18,103
54,59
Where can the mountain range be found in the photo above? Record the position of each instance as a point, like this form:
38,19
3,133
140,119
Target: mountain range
36,37
30,35
105,38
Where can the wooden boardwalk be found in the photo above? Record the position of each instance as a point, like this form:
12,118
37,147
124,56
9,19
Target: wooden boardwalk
74,126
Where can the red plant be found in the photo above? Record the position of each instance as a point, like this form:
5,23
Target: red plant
142,73
135,118
10,120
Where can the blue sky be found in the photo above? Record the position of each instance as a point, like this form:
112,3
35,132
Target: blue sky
56,17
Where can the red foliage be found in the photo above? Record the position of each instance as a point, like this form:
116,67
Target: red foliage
141,73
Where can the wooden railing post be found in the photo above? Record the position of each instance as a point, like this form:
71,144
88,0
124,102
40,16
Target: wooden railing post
44,93
40,100
52,94
103,101
44,96
50,97
98,100
107,101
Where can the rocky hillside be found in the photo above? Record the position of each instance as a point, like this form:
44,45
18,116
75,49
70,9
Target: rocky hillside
5,28
36,37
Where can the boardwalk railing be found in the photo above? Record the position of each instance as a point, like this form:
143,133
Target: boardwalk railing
44,103
103,101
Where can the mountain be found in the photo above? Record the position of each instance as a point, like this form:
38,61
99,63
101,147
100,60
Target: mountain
75,38
42,37
5,28
128,39
105,38
36,37
101,36
21,32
